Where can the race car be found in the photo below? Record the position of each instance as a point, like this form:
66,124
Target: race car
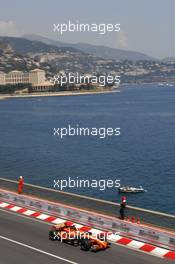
68,233
64,232
94,244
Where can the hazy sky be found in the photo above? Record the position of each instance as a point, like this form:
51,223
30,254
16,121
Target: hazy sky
146,25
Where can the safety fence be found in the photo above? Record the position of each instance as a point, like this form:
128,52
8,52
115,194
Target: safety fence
141,232
137,231
97,205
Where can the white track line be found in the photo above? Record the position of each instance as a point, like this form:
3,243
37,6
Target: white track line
36,249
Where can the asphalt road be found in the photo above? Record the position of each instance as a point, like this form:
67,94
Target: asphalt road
25,240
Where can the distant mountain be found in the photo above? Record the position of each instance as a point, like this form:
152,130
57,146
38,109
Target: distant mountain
45,40
24,54
24,46
98,51
111,53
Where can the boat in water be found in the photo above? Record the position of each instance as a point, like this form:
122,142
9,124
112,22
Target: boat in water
169,84
129,189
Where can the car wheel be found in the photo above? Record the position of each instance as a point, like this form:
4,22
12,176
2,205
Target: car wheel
85,244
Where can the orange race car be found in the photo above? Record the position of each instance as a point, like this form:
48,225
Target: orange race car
94,244
70,234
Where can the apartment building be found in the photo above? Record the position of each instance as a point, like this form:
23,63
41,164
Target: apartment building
35,77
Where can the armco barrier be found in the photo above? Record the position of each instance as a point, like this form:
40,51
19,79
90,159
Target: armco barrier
97,205
141,232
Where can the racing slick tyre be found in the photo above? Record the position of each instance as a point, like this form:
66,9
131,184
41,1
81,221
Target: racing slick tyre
53,236
85,244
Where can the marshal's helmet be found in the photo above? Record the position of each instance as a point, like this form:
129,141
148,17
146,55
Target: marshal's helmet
123,199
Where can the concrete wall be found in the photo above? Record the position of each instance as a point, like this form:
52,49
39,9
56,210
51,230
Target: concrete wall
91,204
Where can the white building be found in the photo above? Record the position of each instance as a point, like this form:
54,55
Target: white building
2,78
35,77
16,77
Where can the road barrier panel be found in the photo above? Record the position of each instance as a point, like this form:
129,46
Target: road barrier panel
131,229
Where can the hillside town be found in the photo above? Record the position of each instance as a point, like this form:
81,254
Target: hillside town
34,68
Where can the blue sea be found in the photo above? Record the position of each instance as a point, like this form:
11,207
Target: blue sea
144,153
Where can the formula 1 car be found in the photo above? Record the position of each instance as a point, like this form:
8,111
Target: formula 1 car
65,233
70,234
94,244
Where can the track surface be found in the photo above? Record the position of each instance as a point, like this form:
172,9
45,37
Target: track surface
35,234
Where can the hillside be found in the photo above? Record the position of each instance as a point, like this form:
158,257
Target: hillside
98,51
23,54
